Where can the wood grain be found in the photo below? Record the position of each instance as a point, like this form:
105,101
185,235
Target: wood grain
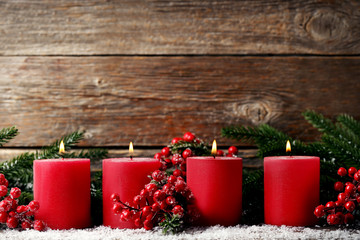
158,27
150,100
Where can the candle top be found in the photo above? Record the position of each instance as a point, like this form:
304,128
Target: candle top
291,157
63,160
128,159
216,158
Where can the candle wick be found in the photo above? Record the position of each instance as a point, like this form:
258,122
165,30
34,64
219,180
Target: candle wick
131,157
214,156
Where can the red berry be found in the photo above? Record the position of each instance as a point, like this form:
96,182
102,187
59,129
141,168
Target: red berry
144,193
137,199
12,214
342,197
148,225
352,171
357,176
348,218
172,179
358,199
350,206
165,151
342,172
6,183
350,188
340,217
125,215
115,197
2,179
319,211
155,207
158,156
15,192
180,186
12,222
163,205
159,195
176,140
189,137
5,205
34,205
39,225
187,153
158,175
170,200
183,166
332,219
151,188
220,153
176,159
117,208
233,150
138,222
178,210
21,209
177,173
339,203
25,225
339,186
330,204
146,211
3,216
3,190
168,189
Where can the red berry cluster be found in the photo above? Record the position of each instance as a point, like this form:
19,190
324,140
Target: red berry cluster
341,211
232,152
167,195
14,215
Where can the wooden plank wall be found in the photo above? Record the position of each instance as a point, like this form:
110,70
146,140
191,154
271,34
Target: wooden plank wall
147,71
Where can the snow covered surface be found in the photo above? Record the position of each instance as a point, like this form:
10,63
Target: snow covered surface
216,232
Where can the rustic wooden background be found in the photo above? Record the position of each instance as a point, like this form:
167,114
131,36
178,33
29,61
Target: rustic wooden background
147,71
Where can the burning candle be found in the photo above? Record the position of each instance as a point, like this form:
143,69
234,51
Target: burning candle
216,183
62,187
291,189
126,177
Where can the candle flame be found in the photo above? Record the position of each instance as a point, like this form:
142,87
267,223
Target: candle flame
131,149
288,146
62,147
214,148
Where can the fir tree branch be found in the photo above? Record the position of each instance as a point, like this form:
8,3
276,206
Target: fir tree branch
52,151
171,224
350,123
6,134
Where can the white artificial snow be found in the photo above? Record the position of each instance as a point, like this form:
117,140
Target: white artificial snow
216,232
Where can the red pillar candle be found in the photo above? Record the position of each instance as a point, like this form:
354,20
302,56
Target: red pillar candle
125,177
291,190
62,187
217,187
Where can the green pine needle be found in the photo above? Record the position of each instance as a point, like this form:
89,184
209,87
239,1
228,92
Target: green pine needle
6,134
172,224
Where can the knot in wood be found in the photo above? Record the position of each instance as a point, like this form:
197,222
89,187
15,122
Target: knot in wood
257,113
327,24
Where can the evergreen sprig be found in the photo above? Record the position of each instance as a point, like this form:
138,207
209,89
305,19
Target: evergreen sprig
6,134
171,224
18,170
